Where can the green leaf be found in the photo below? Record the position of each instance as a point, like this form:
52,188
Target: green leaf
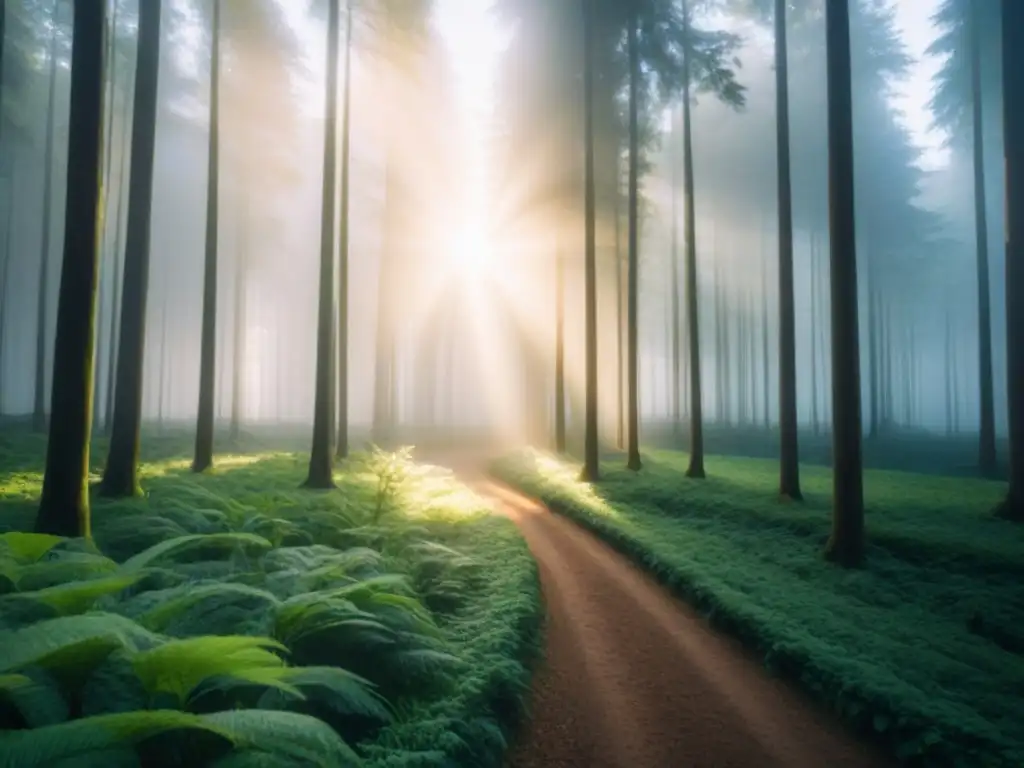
79,596
29,547
179,544
285,733
77,738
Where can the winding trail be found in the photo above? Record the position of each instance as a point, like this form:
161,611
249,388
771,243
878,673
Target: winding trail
635,679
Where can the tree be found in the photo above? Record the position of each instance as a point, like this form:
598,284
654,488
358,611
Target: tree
64,506
120,478
846,542
789,453
203,457
632,291
591,470
42,305
320,465
341,443
1012,507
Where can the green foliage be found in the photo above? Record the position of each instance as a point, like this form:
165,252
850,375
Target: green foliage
208,608
888,647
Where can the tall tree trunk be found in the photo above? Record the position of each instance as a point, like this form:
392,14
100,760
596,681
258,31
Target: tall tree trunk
1013,129
873,351
162,375
42,302
766,368
789,446
559,348
5,271
591,471
846,542
696,466
341,441
239,326
115,302
815,320
120,478
676,309
203,458
320,463
64,506
632,290
986,400
620,325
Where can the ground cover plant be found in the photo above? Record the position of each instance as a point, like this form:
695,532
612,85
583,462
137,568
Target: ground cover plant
922,650
386,623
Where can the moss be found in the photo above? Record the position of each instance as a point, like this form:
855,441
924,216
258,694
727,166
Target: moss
907,649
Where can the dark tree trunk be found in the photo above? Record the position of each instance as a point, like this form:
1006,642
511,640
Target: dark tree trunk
813,332
846,542
341,441
203,458
118,276
766,365
620,326
591,471
873,352
320,458
64,506
1013,131
676,309
696,466
43,304
632,290
986,400
120,478
5,273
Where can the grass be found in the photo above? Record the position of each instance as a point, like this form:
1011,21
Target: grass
390,622
920,651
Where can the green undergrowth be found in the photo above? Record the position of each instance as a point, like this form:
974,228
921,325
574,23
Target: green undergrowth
920,651
232,619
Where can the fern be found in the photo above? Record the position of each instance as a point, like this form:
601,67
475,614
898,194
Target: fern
76,739
288,734
176,546
79,596
66,567
75,644
28,547
166,611
35,701
179,666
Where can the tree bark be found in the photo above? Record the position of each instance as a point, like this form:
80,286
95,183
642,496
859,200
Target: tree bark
846,542
320,463
64,506
1013,129
341,442
42,303
986,399
5,273
591,470
120,478
203,458
632,290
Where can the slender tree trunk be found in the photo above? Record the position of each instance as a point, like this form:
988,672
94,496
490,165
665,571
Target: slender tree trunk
591,471
873,353
115,303
42,303
320,464
64,506
766,368
846,543
1013,129
815,320
620,326
633,415
676,309
696,466
120,478
5,267
789,446
986,400
239,342
559,349
162,375
341,441
203,458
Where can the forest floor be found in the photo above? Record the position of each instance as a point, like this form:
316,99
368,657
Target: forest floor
921,651
391,622
632,677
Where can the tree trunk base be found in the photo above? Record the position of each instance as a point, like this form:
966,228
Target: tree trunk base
1012,509
117,485
696,470
634,464
319,484
843,554
789,497
588,475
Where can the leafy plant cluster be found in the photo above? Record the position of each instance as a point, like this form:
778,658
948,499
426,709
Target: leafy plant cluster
920,651
228,621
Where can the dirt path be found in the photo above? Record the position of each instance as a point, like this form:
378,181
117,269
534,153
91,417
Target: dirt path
634,679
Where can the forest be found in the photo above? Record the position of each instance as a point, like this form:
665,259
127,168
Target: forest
434,383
